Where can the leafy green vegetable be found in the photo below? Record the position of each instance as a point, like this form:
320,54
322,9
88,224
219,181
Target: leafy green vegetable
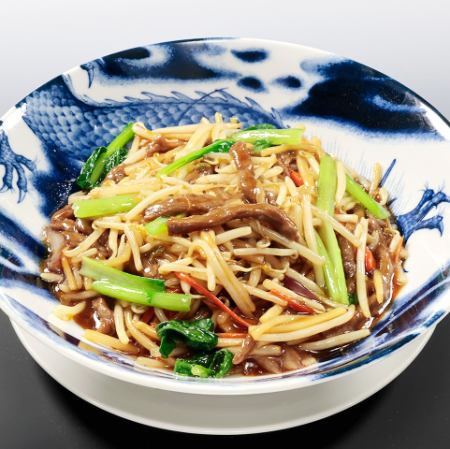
289,136
352,299
197,334
157,227
222,362
260,126
101,207
326,188
360,195
219,146
217,364
86,178
104,159
115,159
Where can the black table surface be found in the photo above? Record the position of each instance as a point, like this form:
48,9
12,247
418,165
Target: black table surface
412,412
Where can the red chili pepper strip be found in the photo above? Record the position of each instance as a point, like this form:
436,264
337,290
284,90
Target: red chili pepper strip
369,261
211,297
148,315
293,304
295,176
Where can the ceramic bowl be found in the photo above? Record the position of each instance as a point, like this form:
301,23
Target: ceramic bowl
361,115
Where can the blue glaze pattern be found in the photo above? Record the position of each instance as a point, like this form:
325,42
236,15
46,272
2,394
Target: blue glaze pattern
47,136
415,219
251,83
250,56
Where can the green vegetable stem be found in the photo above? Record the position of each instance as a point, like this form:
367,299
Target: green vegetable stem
128,287
101,207
362,197
326,188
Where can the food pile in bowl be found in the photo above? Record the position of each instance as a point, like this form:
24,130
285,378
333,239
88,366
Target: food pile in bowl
260,212
212,250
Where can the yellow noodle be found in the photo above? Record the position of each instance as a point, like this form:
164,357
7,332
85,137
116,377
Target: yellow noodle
254,278
361,288
51,277
271,285
378,284
311,330
71,283
338,227
150,199
146,329
131,237
79,296
305,173
264,251
119,324
85,244
305,281
67,313
310,237
197,140
108,341
91,252
233,234
142,339
147,362
263,351
338,340
112,242
347,218
275,236
271,313
257,330
377,174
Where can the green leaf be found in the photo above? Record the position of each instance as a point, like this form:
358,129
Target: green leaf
197,335
115,159
104,159
217,364
352,299
84,180
222,362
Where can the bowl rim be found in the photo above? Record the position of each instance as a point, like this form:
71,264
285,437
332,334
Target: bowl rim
217,387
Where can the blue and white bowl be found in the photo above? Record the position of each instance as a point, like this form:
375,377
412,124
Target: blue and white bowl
360,115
